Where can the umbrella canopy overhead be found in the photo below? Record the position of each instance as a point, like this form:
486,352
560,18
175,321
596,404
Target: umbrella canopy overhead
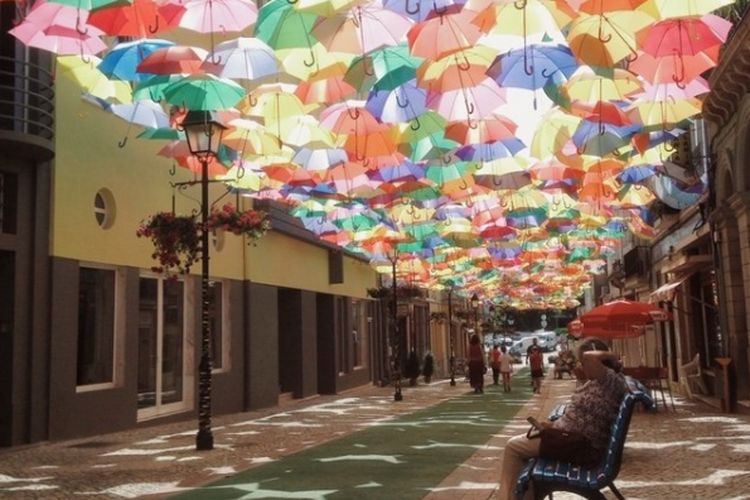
507,147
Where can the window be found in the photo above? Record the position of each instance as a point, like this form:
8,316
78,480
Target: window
104,208
96,327
8,202
217,326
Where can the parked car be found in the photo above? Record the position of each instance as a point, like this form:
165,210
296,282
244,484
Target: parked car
547,341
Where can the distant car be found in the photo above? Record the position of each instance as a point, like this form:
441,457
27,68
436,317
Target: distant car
547,341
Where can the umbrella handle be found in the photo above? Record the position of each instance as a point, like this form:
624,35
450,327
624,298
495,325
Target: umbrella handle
469,107
121,144
496,183
546,75
252,100
447,158
401,105
602,128
465,65
367,68
528,69
600,35
78,26
410,11
415,124
154,29
215,61
472,124
520,4
311,63
668,147
292,2
353,113
581,149
464,184
173,171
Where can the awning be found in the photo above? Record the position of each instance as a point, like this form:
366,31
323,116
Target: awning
665,292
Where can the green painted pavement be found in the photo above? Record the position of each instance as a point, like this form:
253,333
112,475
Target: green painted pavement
396,459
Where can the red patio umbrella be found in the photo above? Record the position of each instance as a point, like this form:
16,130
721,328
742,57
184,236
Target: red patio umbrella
617,320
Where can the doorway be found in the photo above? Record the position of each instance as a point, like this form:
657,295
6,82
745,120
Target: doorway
161,347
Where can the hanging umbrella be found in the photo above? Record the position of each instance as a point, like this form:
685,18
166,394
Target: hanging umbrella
490,129
420,10
664,114
123,59
141,19
361,30
468,104
464,68
175,59
325,8
281,26
364,71
592,87
674,69
443,33
489,151
605,40
531,68
402,104
58,39
217,16
204,92
327,86
242,58
666,9
90,5
92,81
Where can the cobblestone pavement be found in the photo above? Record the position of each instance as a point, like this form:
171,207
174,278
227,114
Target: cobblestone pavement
693,452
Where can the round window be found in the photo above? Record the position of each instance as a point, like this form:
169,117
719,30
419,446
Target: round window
104,208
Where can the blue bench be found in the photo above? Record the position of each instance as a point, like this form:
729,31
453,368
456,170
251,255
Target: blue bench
549,476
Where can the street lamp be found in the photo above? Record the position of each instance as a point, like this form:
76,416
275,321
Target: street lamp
450,336
395,348
475,305
204,133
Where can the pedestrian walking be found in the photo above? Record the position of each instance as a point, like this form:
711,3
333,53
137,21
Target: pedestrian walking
536,363
506,367
476,364
495,364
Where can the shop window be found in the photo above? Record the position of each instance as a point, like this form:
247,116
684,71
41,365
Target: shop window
96,327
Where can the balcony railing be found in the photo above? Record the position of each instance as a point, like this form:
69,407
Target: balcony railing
27,101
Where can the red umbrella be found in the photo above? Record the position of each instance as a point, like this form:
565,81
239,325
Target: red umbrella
141,19
618,319
176,59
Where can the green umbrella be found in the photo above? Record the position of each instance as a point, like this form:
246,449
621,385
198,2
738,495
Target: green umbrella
91,5
204,93
283,27
163,133
374,67
153,88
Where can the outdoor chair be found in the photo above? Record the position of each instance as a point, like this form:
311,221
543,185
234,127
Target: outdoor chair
691,377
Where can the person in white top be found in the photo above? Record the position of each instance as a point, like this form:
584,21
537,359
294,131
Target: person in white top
506,367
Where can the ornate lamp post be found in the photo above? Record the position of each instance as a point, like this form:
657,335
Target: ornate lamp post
204,133
475,306
395,347
450,336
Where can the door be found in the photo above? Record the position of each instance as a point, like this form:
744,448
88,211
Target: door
7,301
161,347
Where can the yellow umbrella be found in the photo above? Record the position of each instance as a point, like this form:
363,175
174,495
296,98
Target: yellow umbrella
325,8
606,39
519,18
304,62
555,129
305,130
634,196
587,86
244,179
87,75
667,9
664,113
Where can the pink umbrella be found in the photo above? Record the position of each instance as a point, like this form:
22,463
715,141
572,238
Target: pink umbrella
444,33
60,40
218,16
470,103
361,29
668,91
350,117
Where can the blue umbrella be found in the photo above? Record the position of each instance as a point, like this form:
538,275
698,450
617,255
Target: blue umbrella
598,139
121,62
531,68
419,10
402,104
490,150
636,174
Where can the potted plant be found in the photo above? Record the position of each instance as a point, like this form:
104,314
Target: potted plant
176,241
428,368
252,224
412,369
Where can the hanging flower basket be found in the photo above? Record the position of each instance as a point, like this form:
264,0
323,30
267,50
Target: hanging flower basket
176,241
403,292
252,224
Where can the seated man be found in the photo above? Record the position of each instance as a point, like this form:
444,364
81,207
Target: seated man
592,408
565,363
